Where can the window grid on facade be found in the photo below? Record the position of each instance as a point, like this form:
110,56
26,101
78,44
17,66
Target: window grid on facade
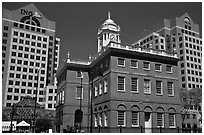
172,120
159,87
147,86
134,84
135,118
121,118
121,83
160,120
121,62
170,88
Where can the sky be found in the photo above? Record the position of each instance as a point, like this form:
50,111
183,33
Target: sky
77,23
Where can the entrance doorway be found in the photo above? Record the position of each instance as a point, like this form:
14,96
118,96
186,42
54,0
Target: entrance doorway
148,122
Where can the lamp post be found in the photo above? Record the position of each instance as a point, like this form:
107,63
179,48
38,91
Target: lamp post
35,101
12,113
81,102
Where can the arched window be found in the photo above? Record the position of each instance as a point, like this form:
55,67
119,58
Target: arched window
121,115
172,118
160,117
95,118
105,116
135,116
100,117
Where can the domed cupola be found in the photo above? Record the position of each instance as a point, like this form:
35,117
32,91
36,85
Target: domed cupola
109,31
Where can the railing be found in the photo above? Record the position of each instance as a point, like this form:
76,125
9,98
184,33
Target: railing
139,129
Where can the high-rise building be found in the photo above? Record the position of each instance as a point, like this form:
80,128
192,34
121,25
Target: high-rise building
125,86
30,54
179,35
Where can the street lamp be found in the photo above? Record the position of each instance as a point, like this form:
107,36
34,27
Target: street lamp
36,93
12,113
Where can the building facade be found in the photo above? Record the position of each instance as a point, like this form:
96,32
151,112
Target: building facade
129,87
30,54
180,35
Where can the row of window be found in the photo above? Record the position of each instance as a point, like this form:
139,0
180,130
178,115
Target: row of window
199,48
19,83
146,86
30,77
27,27
191,85
27,49
26,63
101,87
194,85
193,40
32,43
146,65
101,119
10,97
191,65
193,72
189,58
193,79
188,32
21,55
26,35
195,53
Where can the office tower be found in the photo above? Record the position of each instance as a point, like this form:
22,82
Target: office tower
179,35
30,54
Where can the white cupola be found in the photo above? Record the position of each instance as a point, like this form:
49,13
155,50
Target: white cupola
109,31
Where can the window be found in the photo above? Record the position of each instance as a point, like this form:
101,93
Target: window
105,119
146,65
95,120
121,118
147,86
5,27
121,62
159,87
168,69
49,105
50,90
100,119
79,92
100,88
15,97
133,63
160,120
96,90
50,98
16,90
10,89
79,74
158,67
170,88
135,118
121,83
9,97
105,86
134,84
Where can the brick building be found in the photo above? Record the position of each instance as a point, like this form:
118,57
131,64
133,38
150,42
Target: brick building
123,86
